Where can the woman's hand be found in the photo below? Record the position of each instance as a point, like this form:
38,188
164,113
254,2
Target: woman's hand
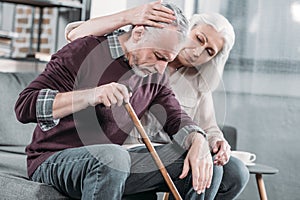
222,150
149,14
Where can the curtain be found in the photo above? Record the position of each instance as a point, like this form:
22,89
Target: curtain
261,82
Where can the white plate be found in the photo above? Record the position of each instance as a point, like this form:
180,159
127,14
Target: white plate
249,164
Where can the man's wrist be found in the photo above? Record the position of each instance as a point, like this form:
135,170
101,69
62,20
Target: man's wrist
194,137
89,97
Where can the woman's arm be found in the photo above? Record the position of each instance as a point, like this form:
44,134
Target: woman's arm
149,14
205,118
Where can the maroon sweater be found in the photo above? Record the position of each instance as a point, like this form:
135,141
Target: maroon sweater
87,63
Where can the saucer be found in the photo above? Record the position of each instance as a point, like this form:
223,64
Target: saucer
250,164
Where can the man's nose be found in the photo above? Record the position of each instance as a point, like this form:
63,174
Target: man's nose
160,66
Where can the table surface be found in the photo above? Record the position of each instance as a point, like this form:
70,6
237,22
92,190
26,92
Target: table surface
262,169
46,3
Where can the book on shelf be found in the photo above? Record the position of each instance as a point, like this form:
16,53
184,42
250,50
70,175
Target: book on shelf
5,41
42,56
5,46
8,34
4,51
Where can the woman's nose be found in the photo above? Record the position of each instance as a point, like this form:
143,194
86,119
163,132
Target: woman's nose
198,51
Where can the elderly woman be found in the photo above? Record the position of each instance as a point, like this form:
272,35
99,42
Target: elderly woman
193,75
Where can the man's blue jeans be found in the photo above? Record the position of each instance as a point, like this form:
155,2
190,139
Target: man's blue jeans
227,184
109,171
91,172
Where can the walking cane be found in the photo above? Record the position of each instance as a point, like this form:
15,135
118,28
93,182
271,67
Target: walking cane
152,151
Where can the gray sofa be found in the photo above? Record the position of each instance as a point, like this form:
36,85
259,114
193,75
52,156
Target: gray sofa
14,136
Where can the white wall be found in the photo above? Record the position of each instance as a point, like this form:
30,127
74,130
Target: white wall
268,125
104,7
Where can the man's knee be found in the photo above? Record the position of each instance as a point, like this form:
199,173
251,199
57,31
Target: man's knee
112,156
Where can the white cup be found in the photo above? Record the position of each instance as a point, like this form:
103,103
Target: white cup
246,157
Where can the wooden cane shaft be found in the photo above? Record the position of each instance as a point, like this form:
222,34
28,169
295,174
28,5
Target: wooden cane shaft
152,151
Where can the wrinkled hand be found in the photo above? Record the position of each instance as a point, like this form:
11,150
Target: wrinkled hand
200,161
109,95
149,14
222,150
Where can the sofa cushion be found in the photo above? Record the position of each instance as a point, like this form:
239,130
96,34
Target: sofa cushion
13,132
13,163
14,136
13,187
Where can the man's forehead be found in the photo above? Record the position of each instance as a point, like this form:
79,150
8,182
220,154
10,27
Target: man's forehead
171,33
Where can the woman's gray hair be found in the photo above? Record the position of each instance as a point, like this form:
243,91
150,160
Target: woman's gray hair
211,72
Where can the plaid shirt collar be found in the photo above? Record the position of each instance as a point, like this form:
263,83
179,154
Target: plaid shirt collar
115,48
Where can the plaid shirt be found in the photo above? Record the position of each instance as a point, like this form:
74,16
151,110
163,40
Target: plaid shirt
44,105
46,97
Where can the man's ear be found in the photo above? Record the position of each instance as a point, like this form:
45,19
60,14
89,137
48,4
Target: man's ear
137,33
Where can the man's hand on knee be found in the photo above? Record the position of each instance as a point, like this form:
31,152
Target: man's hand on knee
199,160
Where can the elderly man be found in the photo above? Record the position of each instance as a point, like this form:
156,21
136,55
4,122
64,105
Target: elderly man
76,103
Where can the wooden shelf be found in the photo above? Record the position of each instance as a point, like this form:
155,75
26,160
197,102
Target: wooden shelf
47,3
8,34
82,5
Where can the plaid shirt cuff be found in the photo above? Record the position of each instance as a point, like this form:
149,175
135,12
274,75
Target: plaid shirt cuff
44,109
181,136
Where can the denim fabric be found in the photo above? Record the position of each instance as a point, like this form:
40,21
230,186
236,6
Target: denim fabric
145,176
102,172
235,178
87,173
228,181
